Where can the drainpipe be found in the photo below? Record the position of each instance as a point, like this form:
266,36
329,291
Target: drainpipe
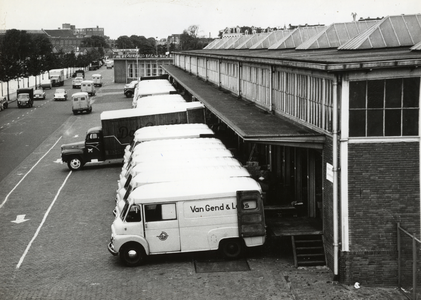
335,180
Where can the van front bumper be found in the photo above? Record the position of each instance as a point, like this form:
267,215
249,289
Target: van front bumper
111,249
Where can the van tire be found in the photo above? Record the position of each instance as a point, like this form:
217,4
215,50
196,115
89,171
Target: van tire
132,254
129,94
231,248
75,163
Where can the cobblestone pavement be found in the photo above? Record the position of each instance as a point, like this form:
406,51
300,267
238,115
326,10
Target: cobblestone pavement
271,276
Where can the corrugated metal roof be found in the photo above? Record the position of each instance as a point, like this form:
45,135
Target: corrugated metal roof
336,35
392,31
228,41
237,41
297,37
212,44
255,38
270,39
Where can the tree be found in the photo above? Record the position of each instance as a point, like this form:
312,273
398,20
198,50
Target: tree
189,39
124,42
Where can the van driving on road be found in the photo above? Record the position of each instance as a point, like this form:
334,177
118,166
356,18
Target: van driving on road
188,216
88,86
81,102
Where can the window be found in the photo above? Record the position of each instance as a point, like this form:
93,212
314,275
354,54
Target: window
160,212
384,107
134,214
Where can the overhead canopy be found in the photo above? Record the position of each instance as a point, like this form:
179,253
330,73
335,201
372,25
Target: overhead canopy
245,119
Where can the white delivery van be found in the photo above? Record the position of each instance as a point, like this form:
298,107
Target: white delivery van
151,101
81,102
88,87
164,132
97,79
152,88
172,144
178,160
188,216
186,172
171,149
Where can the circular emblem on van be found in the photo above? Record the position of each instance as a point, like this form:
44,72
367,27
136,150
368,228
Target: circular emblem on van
163,236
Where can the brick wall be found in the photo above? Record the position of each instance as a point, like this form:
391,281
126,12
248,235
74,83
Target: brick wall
383,190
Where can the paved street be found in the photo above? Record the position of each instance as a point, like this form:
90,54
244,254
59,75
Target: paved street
59,250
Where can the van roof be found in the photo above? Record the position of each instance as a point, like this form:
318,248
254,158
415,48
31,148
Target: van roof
80,94
177,154
87,81
192,190
165,96
185,161
174,144
160,132
189,173
143,103
126,113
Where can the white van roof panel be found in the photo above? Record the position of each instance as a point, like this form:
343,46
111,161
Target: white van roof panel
161,132
192,190
126,113
189,173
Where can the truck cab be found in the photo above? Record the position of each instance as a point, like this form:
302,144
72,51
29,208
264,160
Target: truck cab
76,155
25,97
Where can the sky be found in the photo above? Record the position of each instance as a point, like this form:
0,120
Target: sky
162,18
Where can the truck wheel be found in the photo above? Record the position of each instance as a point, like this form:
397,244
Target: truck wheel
75,163
132,254
129,94
231,248
6,105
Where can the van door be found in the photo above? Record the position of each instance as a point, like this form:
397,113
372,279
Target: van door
251,218
161,228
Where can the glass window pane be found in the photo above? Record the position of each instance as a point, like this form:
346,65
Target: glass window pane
375,123
411,92
357,123
410,122
392,122
393,93
357,91
375,92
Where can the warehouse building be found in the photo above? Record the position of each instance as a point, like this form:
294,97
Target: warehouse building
327,117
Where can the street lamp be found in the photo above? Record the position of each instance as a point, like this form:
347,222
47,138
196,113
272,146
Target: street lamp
137,63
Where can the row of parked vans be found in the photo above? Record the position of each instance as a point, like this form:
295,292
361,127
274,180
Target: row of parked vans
181,190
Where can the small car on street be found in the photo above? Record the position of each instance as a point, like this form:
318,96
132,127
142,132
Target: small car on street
3,103
129,88
39,94
60,94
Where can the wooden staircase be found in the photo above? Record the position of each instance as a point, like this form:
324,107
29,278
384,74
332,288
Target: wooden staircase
308,250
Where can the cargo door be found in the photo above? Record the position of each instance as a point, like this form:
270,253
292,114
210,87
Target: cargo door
251,218
161,228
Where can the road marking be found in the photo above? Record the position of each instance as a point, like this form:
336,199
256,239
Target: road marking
20,219
30,170
42,222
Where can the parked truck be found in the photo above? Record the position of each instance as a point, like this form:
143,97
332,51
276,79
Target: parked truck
25,97
57,77
108,141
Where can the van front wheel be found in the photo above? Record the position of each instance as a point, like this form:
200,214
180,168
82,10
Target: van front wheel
132,254
231,248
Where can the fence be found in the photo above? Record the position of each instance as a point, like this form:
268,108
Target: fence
10,92
409,264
